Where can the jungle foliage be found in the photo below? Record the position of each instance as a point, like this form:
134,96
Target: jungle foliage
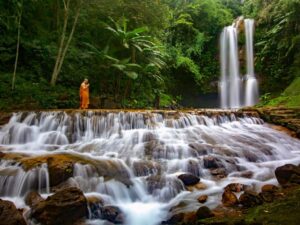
136,53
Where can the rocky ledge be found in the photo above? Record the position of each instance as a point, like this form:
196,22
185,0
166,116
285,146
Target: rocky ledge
282,116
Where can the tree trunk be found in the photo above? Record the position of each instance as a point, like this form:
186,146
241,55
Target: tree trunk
18,47
61,45
64,46
69,39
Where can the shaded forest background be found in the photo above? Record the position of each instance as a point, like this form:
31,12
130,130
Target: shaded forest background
137,53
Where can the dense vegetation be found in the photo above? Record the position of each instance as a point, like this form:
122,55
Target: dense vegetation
136,53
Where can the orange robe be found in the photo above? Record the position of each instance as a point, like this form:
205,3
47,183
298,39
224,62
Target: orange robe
84,96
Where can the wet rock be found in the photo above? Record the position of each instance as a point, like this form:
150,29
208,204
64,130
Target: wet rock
149,136
95,204
229,198
112,214
219,173
145,168
196,187
59,172
64,207
155,182
223,151
288,174
201,149
4,117
171,185
193,167
250,199
204,212
202,198
175,219
189,217
9,214
269,188
211,162
33,198
247,174
267,196
153,148
188,179
235,187
250,156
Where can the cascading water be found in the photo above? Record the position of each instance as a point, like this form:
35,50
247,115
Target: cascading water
251,94
230,82
235,93
131,160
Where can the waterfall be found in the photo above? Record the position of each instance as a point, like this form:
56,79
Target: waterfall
251,96
230,79
231,87
132,160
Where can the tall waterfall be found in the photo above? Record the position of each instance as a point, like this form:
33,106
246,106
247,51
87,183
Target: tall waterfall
237,91
132,160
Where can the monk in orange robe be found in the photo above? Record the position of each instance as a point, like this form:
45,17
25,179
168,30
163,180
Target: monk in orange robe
84,94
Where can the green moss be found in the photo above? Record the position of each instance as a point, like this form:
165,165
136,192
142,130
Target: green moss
283,211
289,98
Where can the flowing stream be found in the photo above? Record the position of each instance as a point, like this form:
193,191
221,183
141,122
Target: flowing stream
142,154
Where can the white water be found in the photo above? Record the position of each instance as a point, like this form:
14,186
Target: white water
141,155
235,91
251,96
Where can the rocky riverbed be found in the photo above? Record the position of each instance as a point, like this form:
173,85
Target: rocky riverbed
187,167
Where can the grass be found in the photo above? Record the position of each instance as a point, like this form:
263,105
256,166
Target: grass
289,98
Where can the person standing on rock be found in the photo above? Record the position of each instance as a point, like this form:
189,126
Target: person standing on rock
84,94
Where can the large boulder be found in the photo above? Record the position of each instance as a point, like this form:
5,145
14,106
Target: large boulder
58,171
288,174
33,198
9,214
229,198
64,207
188,179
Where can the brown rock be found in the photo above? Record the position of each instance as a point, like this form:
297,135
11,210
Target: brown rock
64,207
234,187
95,204
188,179
204,212
219,173
189,217
59,172
175,219
202,198
145,168
229,198
211,162
113,214
269,188
266,196
250,199
288,174
33,198
9,214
